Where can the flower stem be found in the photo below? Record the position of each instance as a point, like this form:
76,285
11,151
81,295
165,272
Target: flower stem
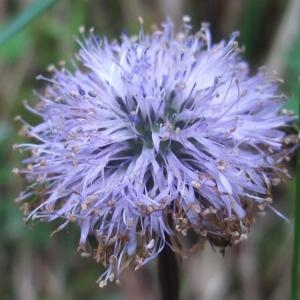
168,274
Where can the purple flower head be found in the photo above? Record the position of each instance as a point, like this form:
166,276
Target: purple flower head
150,138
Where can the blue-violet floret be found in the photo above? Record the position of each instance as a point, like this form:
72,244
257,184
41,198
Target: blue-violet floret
150,138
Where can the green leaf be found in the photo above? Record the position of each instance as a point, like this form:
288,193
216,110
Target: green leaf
292,104
296,248
16,47
26,16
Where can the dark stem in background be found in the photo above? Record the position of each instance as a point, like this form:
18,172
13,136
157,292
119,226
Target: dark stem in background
168,274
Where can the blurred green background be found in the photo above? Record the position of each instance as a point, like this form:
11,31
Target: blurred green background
34,265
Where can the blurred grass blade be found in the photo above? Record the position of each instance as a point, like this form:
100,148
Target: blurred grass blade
26,16
251,24
296,250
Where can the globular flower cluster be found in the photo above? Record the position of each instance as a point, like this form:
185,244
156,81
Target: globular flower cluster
150,138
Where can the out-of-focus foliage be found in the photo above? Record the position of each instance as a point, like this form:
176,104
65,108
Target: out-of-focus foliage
28,14
34,265
292,74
